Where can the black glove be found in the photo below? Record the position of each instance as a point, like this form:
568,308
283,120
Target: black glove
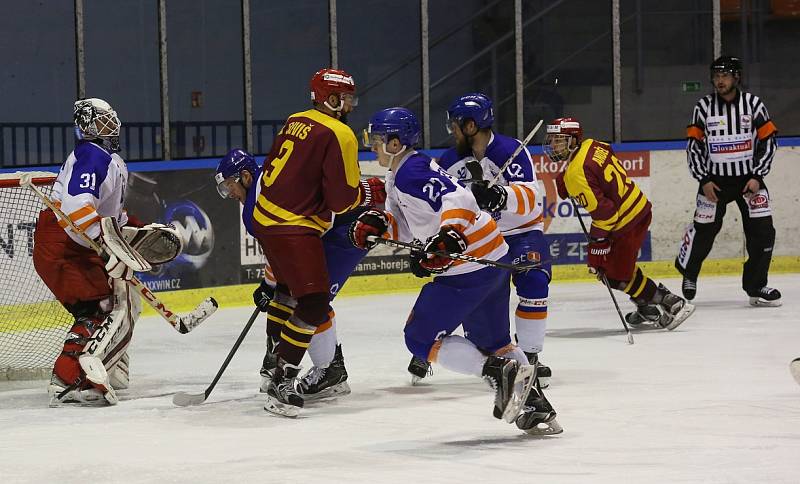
492,199
372,222
416,269
448,239
263,294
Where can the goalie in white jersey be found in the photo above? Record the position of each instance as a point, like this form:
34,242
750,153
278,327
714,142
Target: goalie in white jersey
424,203
90,191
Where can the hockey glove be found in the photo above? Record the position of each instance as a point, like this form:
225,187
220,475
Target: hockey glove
372,222
449,239
416,258
116,268
599,248
374,191
263,294
492,199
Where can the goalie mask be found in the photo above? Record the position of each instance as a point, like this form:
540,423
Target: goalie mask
96,120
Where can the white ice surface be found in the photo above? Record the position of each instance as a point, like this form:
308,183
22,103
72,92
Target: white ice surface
710,402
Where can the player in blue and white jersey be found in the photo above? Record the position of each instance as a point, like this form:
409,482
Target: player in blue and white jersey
426,205
90,187
237,177
515,202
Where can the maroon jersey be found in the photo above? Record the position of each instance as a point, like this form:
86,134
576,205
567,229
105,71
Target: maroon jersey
596,179
310,173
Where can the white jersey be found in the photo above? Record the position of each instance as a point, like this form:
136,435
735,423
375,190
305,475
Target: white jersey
91,185
421,198
523,211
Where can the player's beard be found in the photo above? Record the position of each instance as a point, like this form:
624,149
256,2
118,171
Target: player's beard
343,118
462,147
725,91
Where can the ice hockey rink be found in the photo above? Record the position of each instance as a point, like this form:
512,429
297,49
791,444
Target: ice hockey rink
711,402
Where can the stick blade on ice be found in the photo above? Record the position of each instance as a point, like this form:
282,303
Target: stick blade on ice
183,399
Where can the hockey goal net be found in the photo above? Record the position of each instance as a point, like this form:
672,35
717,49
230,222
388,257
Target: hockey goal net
32,323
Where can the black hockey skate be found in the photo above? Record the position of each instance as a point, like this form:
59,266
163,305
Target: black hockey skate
765,297
675,307
538,417
282,397
419,369
543,373
328,382
647,314
689,288
269,364
511,382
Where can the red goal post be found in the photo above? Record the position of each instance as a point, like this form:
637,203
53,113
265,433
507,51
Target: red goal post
32,323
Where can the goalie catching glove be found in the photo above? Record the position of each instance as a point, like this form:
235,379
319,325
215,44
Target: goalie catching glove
156,243
449,239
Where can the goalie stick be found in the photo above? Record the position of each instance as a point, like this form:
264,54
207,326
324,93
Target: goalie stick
452,255
182,324
604,278
183,399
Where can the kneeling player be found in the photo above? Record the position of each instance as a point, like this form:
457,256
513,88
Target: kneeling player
620,212
237,176
89,190
424,203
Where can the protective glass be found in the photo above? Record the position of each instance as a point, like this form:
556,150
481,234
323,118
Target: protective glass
225,188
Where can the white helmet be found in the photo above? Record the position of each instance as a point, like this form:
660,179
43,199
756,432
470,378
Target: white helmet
95,119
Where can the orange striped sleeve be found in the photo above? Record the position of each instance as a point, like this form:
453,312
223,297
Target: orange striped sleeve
520,199
467,216
85,225
530,194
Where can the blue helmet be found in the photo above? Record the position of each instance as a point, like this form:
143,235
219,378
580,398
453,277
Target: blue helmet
231,166
475,106
400,123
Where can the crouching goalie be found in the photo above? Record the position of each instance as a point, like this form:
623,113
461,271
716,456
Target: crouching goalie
90,191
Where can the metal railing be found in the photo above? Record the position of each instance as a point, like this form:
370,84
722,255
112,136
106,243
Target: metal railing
40,144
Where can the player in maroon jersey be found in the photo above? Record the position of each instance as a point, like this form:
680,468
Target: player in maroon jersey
310,174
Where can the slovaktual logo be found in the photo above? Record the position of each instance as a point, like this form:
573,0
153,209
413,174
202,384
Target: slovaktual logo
731,147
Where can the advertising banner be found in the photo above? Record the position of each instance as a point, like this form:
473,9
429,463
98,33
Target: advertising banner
188,199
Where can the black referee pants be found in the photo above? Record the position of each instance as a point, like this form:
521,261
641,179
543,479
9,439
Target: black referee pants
759,235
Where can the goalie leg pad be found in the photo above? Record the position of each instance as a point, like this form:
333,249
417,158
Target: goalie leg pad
156,243
94,346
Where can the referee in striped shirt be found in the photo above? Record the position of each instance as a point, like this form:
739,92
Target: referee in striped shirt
731,144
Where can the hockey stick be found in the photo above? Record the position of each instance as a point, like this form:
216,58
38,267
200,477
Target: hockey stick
516,152
453,255
604,278
182,324
183,399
